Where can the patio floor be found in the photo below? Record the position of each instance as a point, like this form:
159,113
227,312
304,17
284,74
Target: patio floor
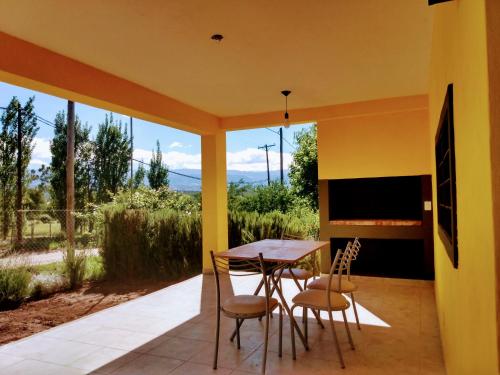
172,331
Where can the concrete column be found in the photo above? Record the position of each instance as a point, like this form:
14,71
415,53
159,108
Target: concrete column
213,195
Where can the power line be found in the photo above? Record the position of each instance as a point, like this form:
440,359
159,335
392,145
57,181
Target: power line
170,171
286,140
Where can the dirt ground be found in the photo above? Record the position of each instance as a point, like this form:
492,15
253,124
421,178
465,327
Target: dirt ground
36,316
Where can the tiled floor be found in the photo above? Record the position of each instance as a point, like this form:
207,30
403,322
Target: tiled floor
172,332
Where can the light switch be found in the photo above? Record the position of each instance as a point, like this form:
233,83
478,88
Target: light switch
427,206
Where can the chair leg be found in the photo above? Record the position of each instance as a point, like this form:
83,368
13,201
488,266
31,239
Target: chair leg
355,310
238,333
236,330
292,330
348,330
336,340
306,330
304,310
280,344
217,333
265,344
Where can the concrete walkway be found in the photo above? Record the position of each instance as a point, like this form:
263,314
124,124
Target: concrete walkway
172,331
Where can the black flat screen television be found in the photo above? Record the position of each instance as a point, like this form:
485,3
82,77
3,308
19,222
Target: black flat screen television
383,198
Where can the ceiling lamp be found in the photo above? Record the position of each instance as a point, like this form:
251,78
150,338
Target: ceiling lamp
286,93
217,37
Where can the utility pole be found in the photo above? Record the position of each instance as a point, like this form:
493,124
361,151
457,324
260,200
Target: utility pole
19,196
281,156
131,150
267,147
70,179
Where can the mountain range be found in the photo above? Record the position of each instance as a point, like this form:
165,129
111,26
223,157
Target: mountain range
181,183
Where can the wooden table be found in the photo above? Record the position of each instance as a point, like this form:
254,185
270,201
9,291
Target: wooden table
284,253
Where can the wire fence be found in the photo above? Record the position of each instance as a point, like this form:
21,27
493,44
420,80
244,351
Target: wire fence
45,230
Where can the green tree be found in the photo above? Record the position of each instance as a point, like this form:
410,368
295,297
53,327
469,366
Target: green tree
83,163
262,199
304,168
8,153
158,172
139,176
112,157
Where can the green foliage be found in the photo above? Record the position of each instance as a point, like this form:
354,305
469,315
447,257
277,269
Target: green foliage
74,268
94,268
144,244
158,172
14,286
8,153
245,227
162,198
304,168
83,164
139,176
261,199
112,157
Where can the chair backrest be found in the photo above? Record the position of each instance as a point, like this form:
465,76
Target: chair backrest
340,263
288,236
240,268
353,254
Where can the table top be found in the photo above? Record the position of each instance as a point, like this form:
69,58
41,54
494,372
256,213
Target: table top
282,251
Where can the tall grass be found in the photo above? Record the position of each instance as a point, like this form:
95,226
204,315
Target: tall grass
14,286
141,243
247,227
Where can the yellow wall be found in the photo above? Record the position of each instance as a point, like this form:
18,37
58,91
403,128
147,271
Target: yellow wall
380,144
466,296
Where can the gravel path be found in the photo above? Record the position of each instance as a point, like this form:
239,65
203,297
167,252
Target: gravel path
40,258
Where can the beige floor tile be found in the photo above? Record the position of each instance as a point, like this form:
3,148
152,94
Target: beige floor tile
148,365
180,348
189,368
30,367
173,331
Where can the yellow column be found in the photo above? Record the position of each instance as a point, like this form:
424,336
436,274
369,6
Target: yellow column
213,195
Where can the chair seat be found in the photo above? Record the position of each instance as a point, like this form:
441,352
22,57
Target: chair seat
321,283
317,299
299,274
248,305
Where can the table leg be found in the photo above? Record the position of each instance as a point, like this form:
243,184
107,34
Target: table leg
287,309
316,315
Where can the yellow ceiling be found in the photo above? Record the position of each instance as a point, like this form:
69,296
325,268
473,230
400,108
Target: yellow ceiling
326,51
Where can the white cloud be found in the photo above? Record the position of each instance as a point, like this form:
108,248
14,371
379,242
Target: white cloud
34,162
176,145
253,159
41,149
250,159
173,159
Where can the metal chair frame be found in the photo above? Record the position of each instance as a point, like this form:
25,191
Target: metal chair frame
339,265
241,268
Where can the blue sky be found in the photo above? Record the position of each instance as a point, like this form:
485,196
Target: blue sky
181,150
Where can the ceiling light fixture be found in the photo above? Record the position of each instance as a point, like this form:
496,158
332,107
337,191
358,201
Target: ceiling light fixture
217,37
285,93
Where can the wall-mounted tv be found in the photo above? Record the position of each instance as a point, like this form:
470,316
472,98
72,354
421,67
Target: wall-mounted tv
383,198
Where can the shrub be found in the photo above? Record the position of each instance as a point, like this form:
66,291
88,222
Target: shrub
14,286
74,268
94,268
140,243
247,227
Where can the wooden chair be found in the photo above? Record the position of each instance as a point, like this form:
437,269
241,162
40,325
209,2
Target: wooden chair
326,300
347,286
241,307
